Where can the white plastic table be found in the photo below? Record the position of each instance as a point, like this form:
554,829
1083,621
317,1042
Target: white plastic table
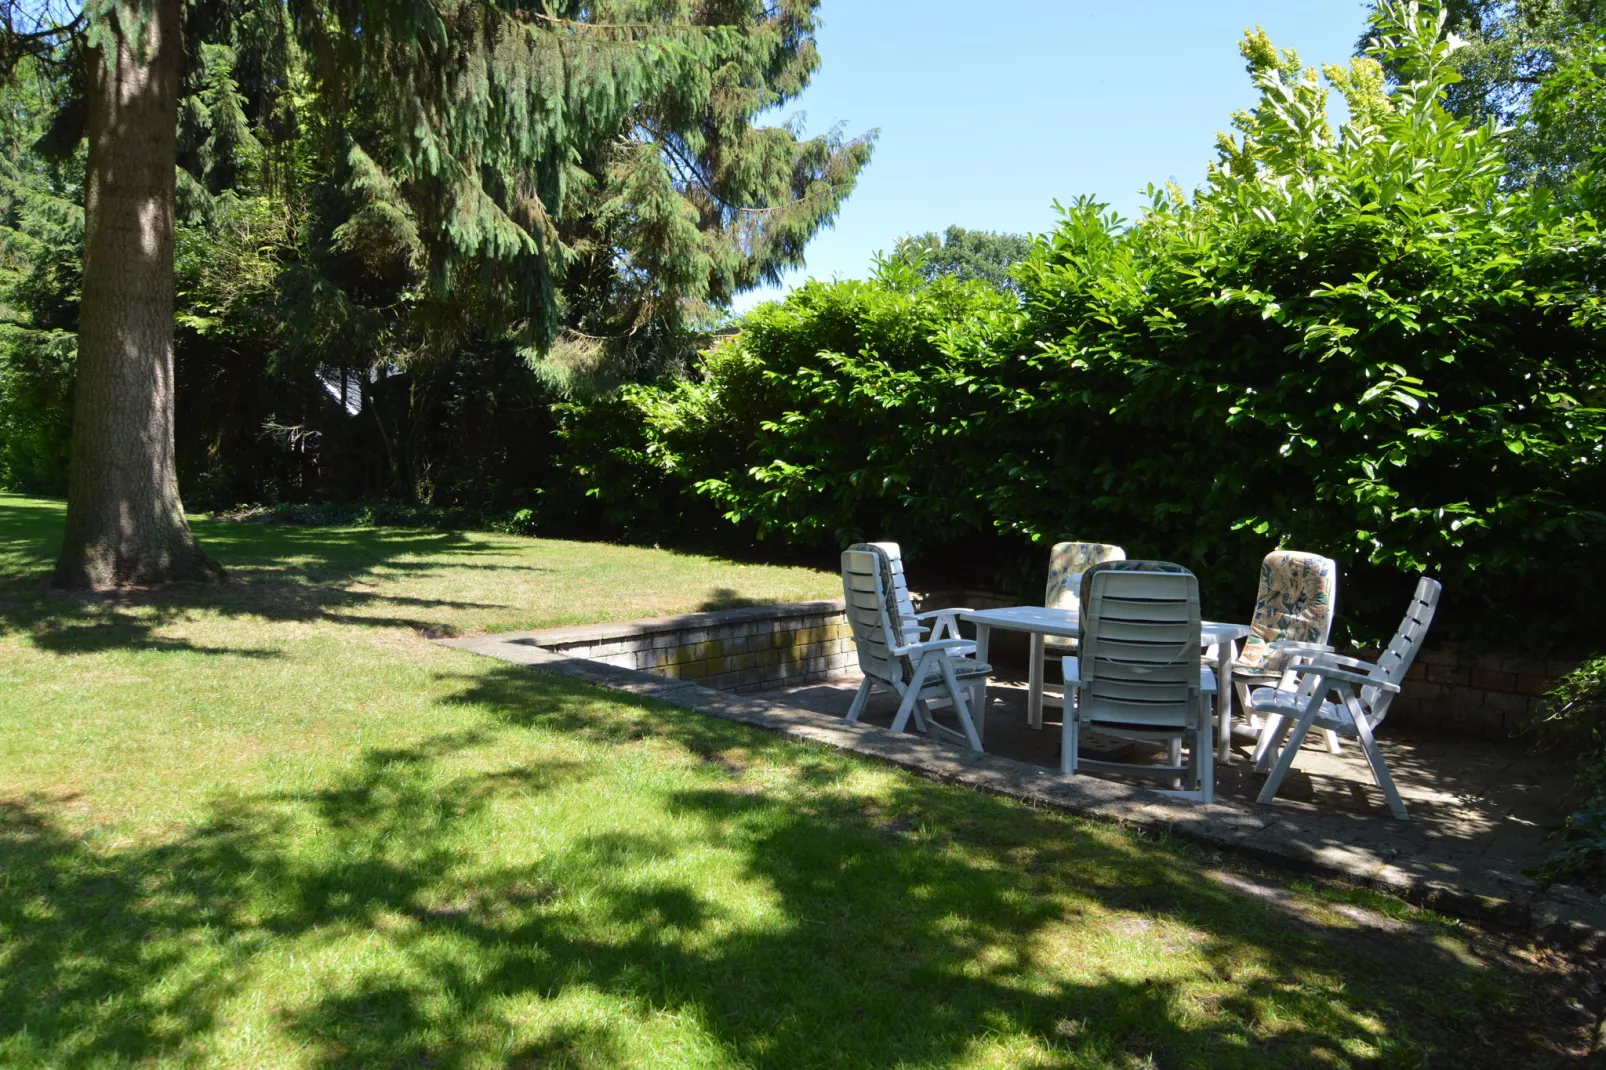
1039,622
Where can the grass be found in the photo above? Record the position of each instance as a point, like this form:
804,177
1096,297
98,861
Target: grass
269,824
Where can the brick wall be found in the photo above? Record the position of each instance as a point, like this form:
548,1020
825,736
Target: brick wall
1489,695
741,650
767,647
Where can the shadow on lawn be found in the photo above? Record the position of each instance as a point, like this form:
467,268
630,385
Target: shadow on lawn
906,927
276,573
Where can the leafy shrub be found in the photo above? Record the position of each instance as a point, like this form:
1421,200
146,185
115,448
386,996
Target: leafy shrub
1572,724
1357,344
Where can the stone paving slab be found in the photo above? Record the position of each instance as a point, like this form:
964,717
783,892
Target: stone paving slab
1399,858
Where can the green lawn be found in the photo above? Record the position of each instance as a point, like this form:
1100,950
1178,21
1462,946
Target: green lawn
271,825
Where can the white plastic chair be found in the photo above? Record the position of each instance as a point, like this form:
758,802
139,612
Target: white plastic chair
894,653
1138,675
1066,563
1342,695
1294,610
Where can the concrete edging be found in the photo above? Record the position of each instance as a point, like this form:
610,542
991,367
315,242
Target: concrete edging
1469,889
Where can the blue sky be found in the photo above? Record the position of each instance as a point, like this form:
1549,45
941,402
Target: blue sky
990,112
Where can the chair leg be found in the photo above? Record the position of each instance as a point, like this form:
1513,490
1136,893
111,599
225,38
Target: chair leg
911,695
860,699
1271,740
1068,737
960,706
1173,755
1285,760
1332,743
1204,758
1380,769
978,707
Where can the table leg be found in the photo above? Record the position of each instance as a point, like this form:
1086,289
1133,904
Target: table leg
1226,654
1034,687
984,635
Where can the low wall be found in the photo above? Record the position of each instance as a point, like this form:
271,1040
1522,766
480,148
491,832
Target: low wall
1489,696
764,648
739,650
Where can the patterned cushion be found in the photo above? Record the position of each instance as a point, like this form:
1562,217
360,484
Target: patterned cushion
1298,593
964,669
1066,562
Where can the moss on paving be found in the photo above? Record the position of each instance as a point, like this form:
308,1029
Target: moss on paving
270,824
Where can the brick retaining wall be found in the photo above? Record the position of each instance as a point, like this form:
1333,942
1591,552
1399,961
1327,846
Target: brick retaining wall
1489,695
740,650
763,648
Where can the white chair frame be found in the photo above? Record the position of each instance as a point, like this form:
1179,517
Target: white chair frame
1138,676
893,654
1343,695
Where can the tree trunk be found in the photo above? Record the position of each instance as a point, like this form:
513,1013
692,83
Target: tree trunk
125,524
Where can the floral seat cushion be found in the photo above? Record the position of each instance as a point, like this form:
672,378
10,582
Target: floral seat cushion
1298,594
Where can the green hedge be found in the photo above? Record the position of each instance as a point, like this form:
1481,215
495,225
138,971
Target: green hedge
1356,344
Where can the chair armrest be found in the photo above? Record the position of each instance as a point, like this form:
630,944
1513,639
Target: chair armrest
1327,657
1071,671
965,646
943,612
1295,644
1319,668
1207,679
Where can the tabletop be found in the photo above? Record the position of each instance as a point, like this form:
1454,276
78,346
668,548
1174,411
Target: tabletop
1063,622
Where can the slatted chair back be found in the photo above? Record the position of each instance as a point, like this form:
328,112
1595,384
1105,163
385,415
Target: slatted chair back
872,616
897,585
1139,664
1067,561
1402,650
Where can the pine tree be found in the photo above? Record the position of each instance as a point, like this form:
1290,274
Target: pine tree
693,201
460,132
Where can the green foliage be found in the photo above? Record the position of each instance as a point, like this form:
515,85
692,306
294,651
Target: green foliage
1353,342
404,229
1532,66
41,239
980,255
1572,725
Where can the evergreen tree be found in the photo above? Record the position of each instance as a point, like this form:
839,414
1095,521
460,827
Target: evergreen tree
463,156
694,201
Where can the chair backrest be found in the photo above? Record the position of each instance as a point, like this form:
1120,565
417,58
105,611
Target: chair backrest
1402,650
897,587
868,590
1296,602
1139,636
1066,563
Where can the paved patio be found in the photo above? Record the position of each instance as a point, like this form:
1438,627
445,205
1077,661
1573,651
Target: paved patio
1466,796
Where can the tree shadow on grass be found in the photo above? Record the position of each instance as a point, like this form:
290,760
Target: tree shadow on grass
762,907
722,598
277,574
